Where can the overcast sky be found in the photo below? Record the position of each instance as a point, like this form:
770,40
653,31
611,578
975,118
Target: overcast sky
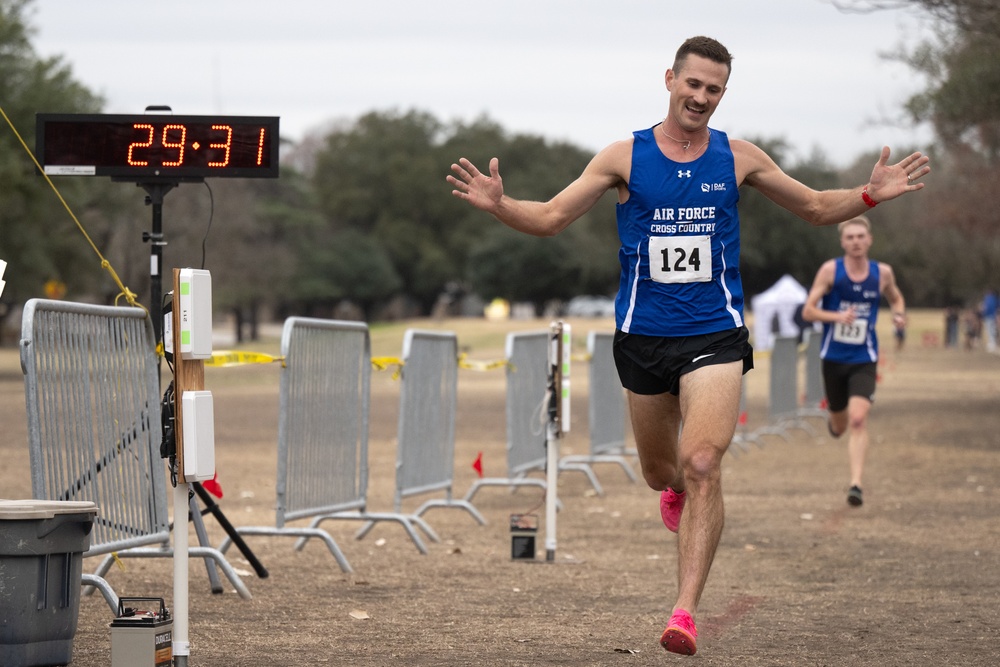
586,71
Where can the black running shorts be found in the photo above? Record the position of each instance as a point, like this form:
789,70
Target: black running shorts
845,380
655,364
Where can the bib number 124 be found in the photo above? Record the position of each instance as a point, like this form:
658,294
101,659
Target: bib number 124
680,259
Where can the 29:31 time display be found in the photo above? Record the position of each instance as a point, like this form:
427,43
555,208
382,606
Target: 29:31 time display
155,146
148,146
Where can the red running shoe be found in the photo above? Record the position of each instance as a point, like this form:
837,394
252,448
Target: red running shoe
680,635
671,506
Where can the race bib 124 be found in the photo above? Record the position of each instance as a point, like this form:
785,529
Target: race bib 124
680,259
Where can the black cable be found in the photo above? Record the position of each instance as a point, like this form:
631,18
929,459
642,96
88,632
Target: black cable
211,214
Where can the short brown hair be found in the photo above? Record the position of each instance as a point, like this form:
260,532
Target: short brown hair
860,220
706,47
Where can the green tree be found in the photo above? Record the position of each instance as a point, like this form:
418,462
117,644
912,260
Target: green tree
383,176
963,98
349,265
38,238
774,241
517,267
535,169
962,102
245,232
961,67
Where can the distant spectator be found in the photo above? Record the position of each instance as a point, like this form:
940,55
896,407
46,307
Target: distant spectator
800,322
973,327
951,314
988,311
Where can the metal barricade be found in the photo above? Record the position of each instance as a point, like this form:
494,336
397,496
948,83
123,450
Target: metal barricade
606,414
783,405
94,430
784,378
526,354
323,422
425,457
815,390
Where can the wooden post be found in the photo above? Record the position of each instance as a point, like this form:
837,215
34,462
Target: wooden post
189,375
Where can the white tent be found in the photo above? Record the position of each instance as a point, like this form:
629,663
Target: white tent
774,311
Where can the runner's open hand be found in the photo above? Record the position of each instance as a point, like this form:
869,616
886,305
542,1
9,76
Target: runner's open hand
482,191
890,181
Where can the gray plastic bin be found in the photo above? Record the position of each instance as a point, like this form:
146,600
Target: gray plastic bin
41,560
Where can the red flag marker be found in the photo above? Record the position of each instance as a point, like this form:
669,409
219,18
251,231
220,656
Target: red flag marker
213,486
477,465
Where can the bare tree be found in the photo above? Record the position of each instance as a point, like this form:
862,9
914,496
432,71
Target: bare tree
970,16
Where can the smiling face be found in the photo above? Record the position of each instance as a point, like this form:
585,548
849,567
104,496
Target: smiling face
696,88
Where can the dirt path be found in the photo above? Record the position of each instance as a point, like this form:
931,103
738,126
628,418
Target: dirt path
912,578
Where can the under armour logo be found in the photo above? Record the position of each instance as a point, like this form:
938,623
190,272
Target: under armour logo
682,174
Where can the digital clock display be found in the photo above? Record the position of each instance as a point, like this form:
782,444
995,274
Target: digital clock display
155,147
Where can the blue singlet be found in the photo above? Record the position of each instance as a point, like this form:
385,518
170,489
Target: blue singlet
680,242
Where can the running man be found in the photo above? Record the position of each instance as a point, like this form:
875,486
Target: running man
845,297
681,344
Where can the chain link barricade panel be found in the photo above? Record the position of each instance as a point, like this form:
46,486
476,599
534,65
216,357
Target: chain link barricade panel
426,433
94,430
527,388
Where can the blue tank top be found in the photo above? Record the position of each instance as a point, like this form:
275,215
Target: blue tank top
855,343
680,242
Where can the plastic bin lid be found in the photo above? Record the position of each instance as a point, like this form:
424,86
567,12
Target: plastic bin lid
43,509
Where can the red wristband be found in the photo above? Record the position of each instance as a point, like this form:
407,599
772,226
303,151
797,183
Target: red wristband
866,198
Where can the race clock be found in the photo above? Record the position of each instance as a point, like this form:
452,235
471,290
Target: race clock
157,147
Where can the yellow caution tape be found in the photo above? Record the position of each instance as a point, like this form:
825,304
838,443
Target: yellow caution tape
463,362
384,363
118,561
224,358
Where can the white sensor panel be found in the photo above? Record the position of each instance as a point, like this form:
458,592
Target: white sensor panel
195,303
199,435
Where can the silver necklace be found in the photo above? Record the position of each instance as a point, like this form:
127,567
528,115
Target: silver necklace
685,144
